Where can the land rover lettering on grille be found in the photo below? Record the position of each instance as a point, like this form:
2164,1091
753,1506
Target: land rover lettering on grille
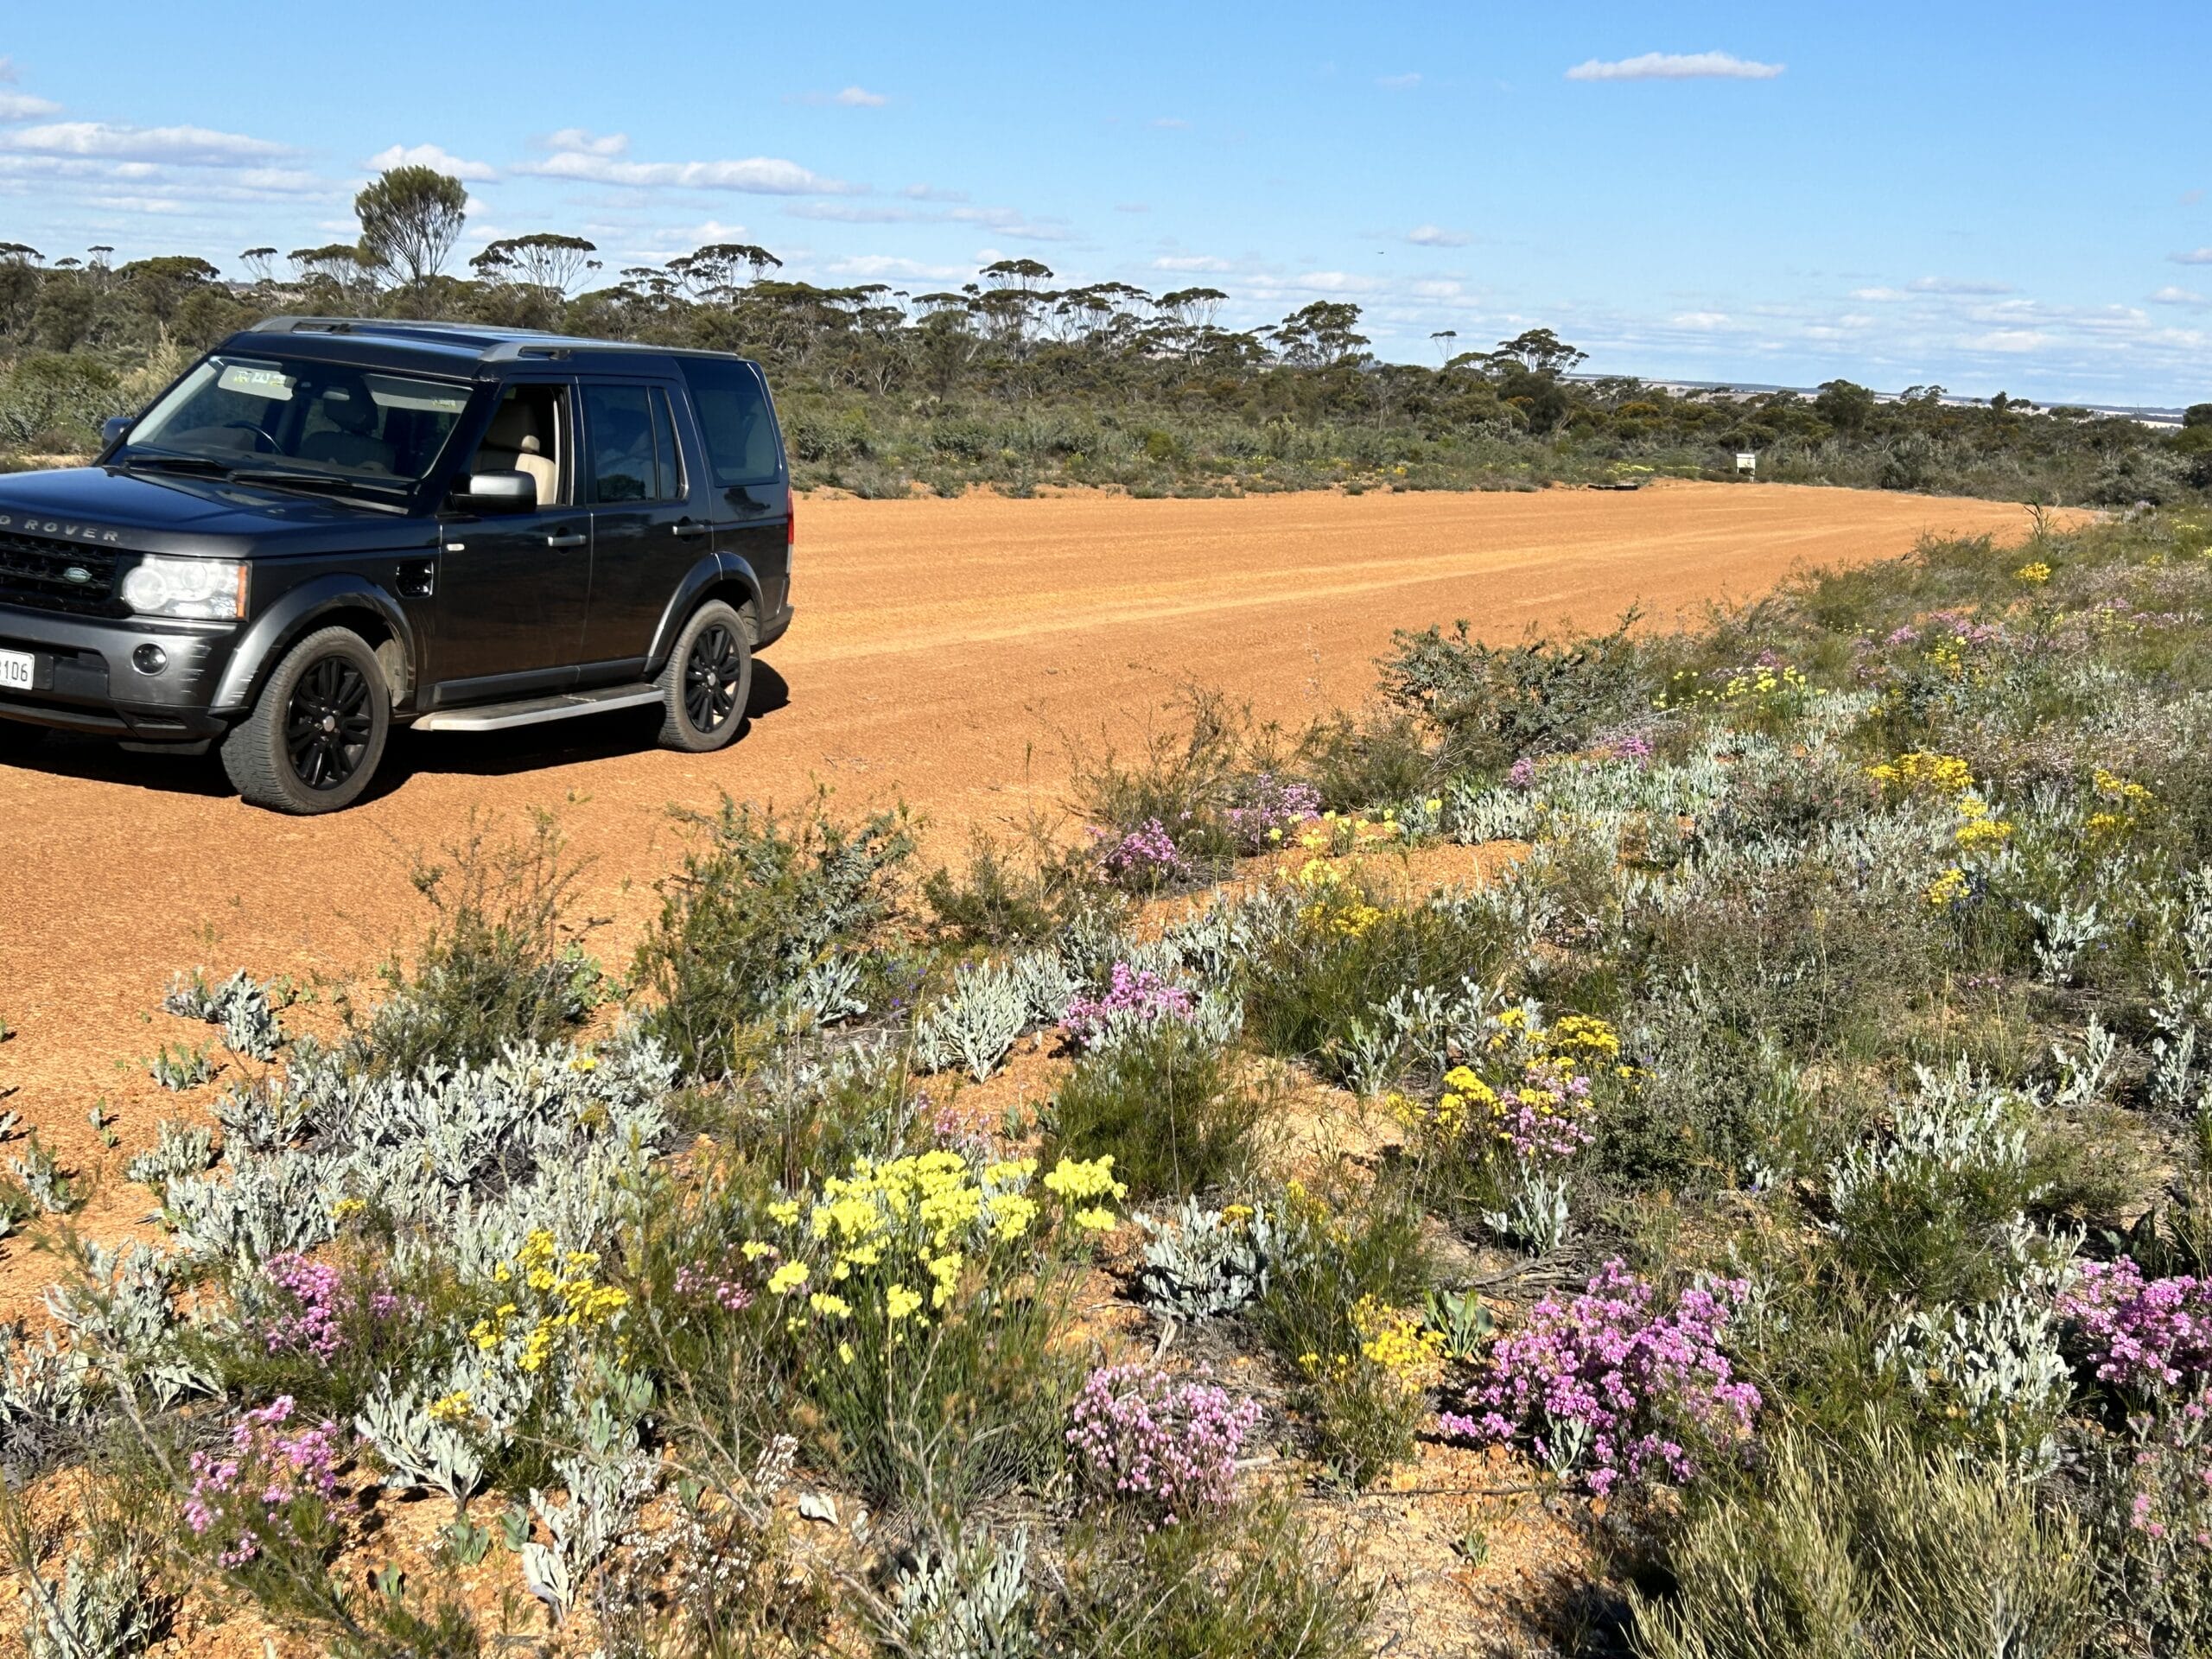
54,527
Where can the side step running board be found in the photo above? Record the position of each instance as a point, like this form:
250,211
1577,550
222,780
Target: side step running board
531,711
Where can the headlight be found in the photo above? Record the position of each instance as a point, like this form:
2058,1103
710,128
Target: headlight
214,589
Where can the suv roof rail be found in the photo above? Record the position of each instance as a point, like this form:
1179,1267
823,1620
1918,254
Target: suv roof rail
493,345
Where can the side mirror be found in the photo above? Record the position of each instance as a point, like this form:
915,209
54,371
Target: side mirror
502,492
115,430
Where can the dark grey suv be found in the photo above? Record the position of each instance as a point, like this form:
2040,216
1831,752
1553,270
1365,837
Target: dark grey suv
327,527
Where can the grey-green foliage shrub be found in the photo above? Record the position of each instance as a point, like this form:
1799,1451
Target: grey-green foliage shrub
763,898
178,1148
472,1150
495,967
978,1020
239,1005
971,1600
1874,1550
1165,1104
1924,1208
102,1606
1201,1263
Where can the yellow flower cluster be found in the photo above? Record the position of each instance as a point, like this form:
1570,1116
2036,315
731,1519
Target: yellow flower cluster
1392,1342
2121,797
2035,574
1337,908
563,1296
1948,888
1922,771
907,1229
1980,830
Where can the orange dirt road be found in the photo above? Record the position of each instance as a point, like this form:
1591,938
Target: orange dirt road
937,647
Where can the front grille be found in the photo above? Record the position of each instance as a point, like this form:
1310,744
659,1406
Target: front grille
34,571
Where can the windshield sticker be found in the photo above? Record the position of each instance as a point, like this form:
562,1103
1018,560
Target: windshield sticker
272,384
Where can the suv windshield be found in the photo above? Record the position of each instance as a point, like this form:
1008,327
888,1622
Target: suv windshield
273,415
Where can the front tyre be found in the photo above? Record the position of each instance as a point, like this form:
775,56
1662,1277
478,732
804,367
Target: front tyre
19,740
315,739
708,681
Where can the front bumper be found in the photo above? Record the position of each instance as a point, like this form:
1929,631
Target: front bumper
83,679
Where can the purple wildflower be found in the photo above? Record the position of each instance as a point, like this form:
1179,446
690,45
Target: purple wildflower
2145,1335
1168,1448
252,1485
1146,854
1133,995
1605,1370
1268,808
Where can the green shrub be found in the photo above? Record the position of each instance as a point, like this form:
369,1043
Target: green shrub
1307,989
1260,1581
1344,1241
1167,1105
1001,900
497,965
1873,1551
762,898
1496,703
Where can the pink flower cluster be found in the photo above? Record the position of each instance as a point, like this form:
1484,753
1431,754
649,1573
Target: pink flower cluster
723,1285
2144,1334
1132,994
1266,802
1545,1117
320,1301
1147,853
1169,1447
1635,748
1521,774
265,1471
1605,1368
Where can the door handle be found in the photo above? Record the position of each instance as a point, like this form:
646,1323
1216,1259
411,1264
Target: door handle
687,528
575,539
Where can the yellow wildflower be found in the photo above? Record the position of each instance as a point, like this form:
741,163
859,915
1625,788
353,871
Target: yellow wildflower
2035,574
789,1277
834,1307
1948,889
450,1408
898,1301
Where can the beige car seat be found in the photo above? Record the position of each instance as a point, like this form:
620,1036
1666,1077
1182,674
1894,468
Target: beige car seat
513,444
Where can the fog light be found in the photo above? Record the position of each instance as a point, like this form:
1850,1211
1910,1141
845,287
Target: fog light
149,659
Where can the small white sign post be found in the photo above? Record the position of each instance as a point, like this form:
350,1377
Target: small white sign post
1747,463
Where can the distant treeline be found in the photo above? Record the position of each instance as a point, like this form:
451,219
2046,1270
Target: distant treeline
1013,381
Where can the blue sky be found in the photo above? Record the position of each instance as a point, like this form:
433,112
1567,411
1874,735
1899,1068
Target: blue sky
1990,197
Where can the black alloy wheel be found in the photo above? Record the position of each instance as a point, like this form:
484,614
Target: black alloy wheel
707,681
328,723
314,736
713,675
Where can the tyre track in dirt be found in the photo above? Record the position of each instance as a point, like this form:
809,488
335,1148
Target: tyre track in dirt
938,646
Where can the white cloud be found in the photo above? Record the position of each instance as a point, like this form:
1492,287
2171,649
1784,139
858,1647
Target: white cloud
859,98
1438,287
1335,282
1132,206
1879,295
1676,66
1192,262
1947,285
2011,340
1008,221
8,73
2172,295
878,265
931,193
22,106
1399,83
578,139
431,155
1435,236
1171,121
579,155
1703,321
2194,257
178,146
853,213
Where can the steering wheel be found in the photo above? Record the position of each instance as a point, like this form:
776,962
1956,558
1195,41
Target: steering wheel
248,426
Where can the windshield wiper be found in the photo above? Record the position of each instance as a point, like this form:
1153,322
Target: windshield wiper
200,465
321,483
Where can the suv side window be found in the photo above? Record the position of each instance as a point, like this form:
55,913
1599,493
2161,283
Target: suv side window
735,421
633,452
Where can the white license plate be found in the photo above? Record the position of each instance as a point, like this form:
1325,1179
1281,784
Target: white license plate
17,669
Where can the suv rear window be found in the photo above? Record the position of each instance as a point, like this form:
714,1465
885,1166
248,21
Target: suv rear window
735,421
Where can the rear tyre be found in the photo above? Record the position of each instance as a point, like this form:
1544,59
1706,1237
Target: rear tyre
708,681
315,739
